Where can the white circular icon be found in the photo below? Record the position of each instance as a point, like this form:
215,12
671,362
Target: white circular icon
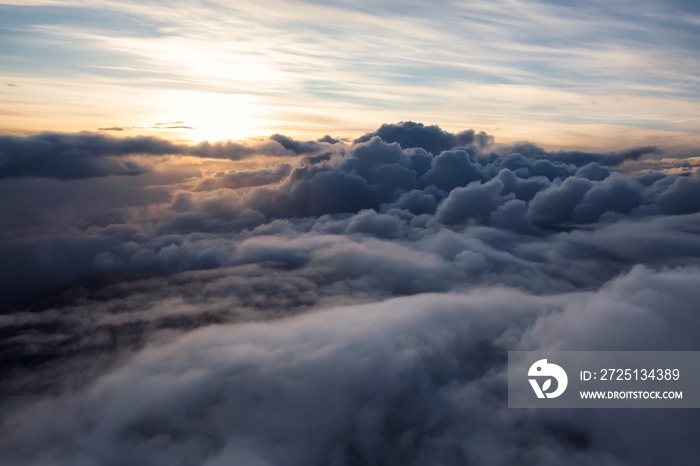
546,371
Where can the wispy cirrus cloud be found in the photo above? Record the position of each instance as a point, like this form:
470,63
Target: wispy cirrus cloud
515,66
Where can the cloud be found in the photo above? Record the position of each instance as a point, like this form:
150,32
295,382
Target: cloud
579,158
73,156
329,139
431,138
453,169
350,304
393,192
554,205
404,381
298,147
85,155
244,179
681,197
475,201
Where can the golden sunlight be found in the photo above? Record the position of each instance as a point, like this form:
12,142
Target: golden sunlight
201,116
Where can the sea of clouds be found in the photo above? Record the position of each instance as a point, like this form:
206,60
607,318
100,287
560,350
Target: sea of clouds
334,303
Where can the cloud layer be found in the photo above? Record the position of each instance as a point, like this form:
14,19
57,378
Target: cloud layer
340,304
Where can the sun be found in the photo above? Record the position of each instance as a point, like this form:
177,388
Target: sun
205,116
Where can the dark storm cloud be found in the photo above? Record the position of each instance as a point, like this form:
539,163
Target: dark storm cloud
351,306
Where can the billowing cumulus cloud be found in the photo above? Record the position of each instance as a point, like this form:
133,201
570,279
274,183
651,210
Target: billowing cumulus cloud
431,138
346,304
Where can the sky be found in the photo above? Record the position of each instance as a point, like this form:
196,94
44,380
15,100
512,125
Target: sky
309,233
585,75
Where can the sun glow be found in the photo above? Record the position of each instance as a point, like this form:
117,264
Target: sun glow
210,116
